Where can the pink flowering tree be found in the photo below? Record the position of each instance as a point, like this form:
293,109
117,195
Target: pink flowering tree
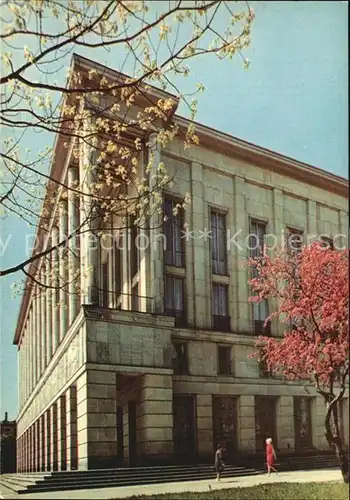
310,288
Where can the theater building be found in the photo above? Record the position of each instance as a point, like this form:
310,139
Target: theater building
149,362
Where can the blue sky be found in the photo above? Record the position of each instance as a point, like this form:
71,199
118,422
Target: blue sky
293,99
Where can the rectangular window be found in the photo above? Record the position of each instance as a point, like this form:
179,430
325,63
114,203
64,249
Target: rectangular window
327,243
133,231
257,238
295,239
221,319
173,227
224,360
174,299
263,370
180,360
218,243
260,313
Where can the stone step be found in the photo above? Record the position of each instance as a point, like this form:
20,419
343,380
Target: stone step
137,474
139,470
108,483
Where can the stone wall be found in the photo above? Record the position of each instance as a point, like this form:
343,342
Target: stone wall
129,339
60,373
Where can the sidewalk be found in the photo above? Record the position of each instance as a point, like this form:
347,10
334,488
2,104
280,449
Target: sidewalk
184,487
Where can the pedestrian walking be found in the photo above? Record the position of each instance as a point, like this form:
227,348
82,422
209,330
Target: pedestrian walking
219,463
270,456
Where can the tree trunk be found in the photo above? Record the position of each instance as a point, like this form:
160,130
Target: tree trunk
335,442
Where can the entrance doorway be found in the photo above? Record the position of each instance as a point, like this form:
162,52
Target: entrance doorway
185,429
265,421
225,426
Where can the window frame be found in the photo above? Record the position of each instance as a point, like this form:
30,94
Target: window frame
179,367
228,371
179,314
174,224
215,245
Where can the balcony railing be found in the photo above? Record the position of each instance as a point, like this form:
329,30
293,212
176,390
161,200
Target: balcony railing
259,328
180,317
222,323
126,302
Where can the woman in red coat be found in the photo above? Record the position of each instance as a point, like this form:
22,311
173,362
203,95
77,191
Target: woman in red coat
270,456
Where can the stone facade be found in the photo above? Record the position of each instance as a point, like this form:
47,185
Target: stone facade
99,385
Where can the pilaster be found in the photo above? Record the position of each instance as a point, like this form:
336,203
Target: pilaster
63,269
61,433
240,255
246,424
53,438
55,316
204,425
73,249
71,427
156,224
96,420
285,424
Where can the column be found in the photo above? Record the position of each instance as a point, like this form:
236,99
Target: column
204,425
19,373
89,223
48,440
37,444
43,319
61,433
317,423
73,249
30,360
311,221
71,426
27,449
31,456
48,301
285,423
144,253
279,230
63,269
198,286
55,316
155,221
246,423
126,287
240,256
38,333
25,379
155,421
53,438
43,442
96,432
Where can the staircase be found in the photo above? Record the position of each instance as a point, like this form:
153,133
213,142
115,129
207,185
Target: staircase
107,478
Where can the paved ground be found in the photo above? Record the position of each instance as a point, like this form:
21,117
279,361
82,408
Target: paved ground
127,491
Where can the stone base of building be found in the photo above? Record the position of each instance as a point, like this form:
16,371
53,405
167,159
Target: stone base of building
108,419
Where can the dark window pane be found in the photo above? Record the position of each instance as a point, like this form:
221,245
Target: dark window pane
173,227
220,300
180,361
174,299
257,238
133,231
224,360
218,243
